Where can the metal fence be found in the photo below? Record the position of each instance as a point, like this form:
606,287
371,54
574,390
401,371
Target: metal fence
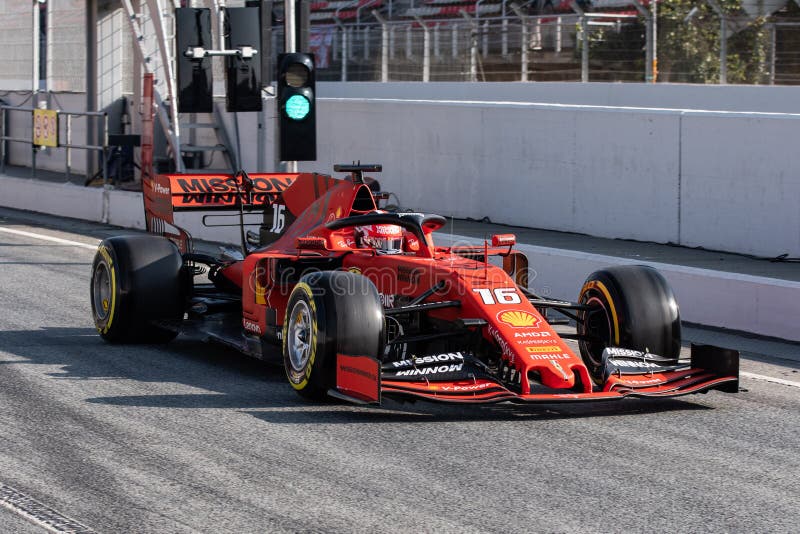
702,48
65,127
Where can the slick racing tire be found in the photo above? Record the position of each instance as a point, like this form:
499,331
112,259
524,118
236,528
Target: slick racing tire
329,312
633,307
137,285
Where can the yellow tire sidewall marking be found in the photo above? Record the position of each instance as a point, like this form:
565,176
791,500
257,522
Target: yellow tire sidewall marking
596,284
305,288
103,251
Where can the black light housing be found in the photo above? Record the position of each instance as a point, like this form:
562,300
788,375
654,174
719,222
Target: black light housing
297,107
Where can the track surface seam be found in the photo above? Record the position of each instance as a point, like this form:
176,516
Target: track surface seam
38,513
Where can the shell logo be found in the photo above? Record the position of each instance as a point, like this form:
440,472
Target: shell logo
518,318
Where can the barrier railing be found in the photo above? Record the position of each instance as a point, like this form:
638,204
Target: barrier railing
52,139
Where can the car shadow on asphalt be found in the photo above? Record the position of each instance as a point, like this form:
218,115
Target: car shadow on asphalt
422,412
236,382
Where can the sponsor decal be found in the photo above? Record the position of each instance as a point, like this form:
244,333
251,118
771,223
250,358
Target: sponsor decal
431,370
548,348
408,274
518,319
224,198
641,381
617,351
634,363
557,365
505,348
533,341
468,387
228,184
386,300
354,270
431,358
552,356
345,243
251,326
158,188
357,371
525,335
358,376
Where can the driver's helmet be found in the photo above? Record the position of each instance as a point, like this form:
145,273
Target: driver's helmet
383,238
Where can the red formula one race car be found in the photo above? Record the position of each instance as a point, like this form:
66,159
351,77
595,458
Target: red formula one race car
361,304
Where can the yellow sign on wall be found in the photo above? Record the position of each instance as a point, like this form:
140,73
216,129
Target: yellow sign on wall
45,127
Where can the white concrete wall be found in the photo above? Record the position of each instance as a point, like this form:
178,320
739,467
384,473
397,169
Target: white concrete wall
721,180
775,99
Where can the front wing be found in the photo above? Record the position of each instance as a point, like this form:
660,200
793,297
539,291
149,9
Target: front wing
709,368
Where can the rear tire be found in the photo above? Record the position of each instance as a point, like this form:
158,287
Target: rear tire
329,313
632,307
137,282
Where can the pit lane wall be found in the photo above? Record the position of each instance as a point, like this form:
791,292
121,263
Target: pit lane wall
721,180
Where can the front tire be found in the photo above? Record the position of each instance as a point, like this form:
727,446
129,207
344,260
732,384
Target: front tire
632,307
137,285
329,313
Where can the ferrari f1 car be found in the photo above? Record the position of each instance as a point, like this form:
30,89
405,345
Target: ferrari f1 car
360,304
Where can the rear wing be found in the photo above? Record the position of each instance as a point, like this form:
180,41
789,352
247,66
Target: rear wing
166,194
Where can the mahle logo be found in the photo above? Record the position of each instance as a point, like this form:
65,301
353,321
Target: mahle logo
518,318
547,348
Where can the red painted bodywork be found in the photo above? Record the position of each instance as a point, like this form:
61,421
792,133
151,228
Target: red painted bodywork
529,344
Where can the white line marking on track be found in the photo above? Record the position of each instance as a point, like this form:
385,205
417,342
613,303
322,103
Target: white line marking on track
770,379
38,513
49,238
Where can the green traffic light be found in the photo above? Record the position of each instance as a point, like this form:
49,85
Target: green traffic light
297,107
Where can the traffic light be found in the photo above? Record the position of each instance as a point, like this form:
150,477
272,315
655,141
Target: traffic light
193,29
243,71
296,107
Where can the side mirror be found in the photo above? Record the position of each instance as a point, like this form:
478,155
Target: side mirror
504,240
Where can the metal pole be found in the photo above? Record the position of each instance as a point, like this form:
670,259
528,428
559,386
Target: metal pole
365,33
648,62
654,31
3,140
384,46
437,51
504,36
524,41
723,41
584,24
343,31
426,50
558,35
723,49
105,148
36,55
473,47
68,156
485,38
408,42
290,28
91,81
772,50
454,40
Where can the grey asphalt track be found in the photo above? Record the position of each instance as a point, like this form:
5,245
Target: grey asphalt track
192,437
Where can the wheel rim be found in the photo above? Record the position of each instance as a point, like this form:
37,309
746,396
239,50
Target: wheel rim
101,291
596,322
299,336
